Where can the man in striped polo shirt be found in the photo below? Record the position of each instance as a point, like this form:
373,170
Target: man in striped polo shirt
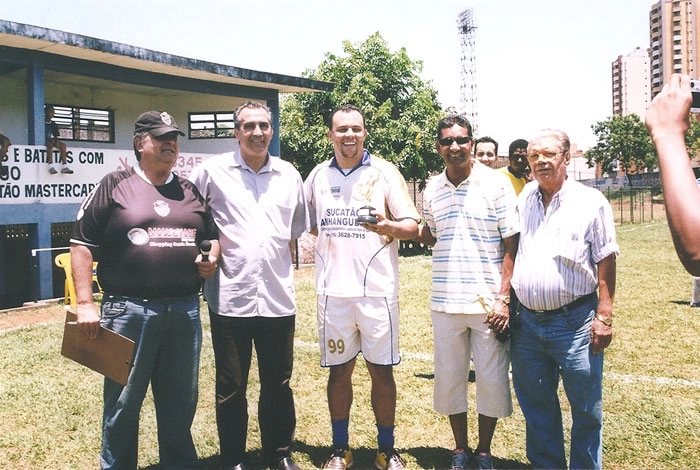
564,277
470,219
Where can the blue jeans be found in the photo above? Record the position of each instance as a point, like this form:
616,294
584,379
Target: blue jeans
545,346
168,337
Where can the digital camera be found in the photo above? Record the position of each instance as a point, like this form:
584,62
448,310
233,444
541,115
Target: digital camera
695,89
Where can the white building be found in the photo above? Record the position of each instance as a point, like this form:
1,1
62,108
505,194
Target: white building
631,83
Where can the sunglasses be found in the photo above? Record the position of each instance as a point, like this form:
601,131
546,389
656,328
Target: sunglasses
447,141
547,156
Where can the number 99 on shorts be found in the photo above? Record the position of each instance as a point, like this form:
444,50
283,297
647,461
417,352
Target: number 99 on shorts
336,346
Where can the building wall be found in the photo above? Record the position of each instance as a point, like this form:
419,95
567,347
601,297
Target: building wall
617,86
39,66
127,106
13,106
674,40
635,93
33,231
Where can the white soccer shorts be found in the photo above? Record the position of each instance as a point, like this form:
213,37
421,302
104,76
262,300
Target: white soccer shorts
350,325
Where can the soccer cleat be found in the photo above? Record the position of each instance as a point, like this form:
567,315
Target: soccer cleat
340,459
389,461
52,170
66,171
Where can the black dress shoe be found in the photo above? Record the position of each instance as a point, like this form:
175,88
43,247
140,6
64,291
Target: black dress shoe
287,464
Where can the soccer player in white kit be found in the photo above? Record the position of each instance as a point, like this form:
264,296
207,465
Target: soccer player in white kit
357,277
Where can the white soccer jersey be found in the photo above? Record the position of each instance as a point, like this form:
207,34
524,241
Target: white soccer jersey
350,260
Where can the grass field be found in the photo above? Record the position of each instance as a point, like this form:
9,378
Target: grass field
50,407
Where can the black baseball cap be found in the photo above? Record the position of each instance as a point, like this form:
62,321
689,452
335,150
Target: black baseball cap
157,123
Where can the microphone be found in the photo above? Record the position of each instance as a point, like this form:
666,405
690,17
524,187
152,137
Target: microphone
205,248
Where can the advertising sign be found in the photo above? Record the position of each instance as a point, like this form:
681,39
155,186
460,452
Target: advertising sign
25,177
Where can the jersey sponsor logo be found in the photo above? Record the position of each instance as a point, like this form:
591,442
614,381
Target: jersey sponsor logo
341,211
161,207
138,236
339,217
170,236
185,234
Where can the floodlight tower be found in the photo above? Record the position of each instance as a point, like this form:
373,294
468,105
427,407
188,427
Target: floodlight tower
466,26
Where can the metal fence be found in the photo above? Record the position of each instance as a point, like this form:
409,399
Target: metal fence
636,205
631,205
641,202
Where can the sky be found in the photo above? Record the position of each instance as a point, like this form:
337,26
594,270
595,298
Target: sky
539,63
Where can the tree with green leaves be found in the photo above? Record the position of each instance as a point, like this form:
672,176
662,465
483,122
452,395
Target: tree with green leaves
623,139
692,137
401,110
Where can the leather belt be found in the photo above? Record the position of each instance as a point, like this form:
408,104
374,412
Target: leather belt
569,306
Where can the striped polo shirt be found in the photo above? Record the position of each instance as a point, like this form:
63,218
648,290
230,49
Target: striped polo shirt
560,248
469,222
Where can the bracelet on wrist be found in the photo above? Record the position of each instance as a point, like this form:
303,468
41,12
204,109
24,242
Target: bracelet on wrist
503,298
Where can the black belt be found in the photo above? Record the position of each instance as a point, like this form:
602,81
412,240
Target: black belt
570,306
142,299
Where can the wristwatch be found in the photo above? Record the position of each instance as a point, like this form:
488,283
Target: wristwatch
504,298
607,321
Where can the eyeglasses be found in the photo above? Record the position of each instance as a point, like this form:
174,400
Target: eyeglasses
546,155
447,141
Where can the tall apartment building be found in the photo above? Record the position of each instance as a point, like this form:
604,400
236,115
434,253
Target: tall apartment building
630,82
674,39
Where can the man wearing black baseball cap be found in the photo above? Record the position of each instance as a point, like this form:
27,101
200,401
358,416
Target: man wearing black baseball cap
157,123
144,225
